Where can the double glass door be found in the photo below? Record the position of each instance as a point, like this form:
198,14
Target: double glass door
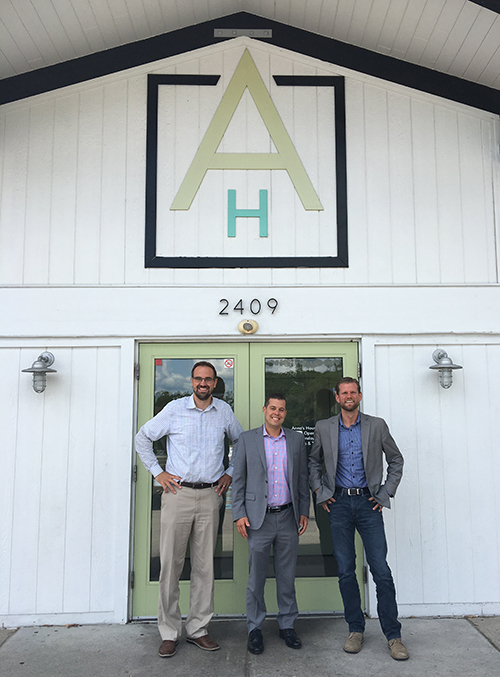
306,374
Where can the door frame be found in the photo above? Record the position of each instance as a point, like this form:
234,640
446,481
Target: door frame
249,365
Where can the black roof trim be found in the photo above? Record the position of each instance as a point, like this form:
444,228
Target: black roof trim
202,35
493,5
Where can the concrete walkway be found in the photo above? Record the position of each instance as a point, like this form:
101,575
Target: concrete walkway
439,647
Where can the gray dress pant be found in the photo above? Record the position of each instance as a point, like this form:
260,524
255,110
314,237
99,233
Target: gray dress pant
280,531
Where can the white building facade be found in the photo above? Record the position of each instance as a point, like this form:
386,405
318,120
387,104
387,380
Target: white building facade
399,260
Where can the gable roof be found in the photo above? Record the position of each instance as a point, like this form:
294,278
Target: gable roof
204,34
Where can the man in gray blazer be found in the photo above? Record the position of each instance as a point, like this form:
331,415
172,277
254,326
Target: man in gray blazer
270,503
353,492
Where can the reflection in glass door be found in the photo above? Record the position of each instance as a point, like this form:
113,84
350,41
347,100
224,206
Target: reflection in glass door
308,384
172,381
306,373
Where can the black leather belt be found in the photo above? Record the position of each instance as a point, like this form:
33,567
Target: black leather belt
199,485
353,491
277,508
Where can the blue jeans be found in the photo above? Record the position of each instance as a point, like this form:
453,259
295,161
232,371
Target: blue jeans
347,514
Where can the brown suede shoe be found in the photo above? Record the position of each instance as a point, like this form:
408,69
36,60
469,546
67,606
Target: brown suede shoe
398,650
206,643
353,642
167,648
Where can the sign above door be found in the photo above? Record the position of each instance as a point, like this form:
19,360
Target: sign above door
246,163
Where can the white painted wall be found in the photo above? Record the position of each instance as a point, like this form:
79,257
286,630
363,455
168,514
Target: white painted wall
422,173
443,530
65,486
423,181
65,492
193,312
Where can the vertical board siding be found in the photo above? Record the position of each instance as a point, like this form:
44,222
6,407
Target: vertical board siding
135,157
55,492
104,510
9,410
59,544
425,191
450,196
402,198
113,183
377,173
89,186
357,198
476,181
420,180
79,484
444,528
25,510
483,466
64,191
38,188
13,194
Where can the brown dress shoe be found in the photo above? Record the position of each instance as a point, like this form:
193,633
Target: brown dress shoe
206,643
167,648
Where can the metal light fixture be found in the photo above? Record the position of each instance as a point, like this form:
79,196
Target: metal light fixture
445,366
40,369
248,326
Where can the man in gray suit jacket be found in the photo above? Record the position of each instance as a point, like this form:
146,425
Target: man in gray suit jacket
353,492
270,502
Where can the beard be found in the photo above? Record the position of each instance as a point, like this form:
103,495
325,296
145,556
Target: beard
350,407
203,395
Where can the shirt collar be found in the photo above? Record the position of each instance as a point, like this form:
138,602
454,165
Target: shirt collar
191,404
358,420
266,434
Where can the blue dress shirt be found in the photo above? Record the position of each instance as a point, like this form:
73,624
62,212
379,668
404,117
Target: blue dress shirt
350,466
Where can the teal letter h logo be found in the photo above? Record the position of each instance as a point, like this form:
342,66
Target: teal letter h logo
233,213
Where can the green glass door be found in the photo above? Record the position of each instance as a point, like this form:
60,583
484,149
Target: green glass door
165,371
306,373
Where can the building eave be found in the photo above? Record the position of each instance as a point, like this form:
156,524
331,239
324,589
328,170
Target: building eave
298,40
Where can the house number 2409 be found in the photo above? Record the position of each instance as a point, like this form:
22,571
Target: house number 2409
255,306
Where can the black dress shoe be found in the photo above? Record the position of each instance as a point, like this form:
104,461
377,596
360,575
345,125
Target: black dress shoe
291,639
256,641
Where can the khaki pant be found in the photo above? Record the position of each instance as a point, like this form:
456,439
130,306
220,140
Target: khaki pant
190,515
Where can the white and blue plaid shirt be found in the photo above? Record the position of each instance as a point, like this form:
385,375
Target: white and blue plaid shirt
195,439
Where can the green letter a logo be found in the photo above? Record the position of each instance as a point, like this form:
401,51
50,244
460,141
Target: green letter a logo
246,76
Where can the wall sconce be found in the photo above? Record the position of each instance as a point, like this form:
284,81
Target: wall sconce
40,369
445,366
